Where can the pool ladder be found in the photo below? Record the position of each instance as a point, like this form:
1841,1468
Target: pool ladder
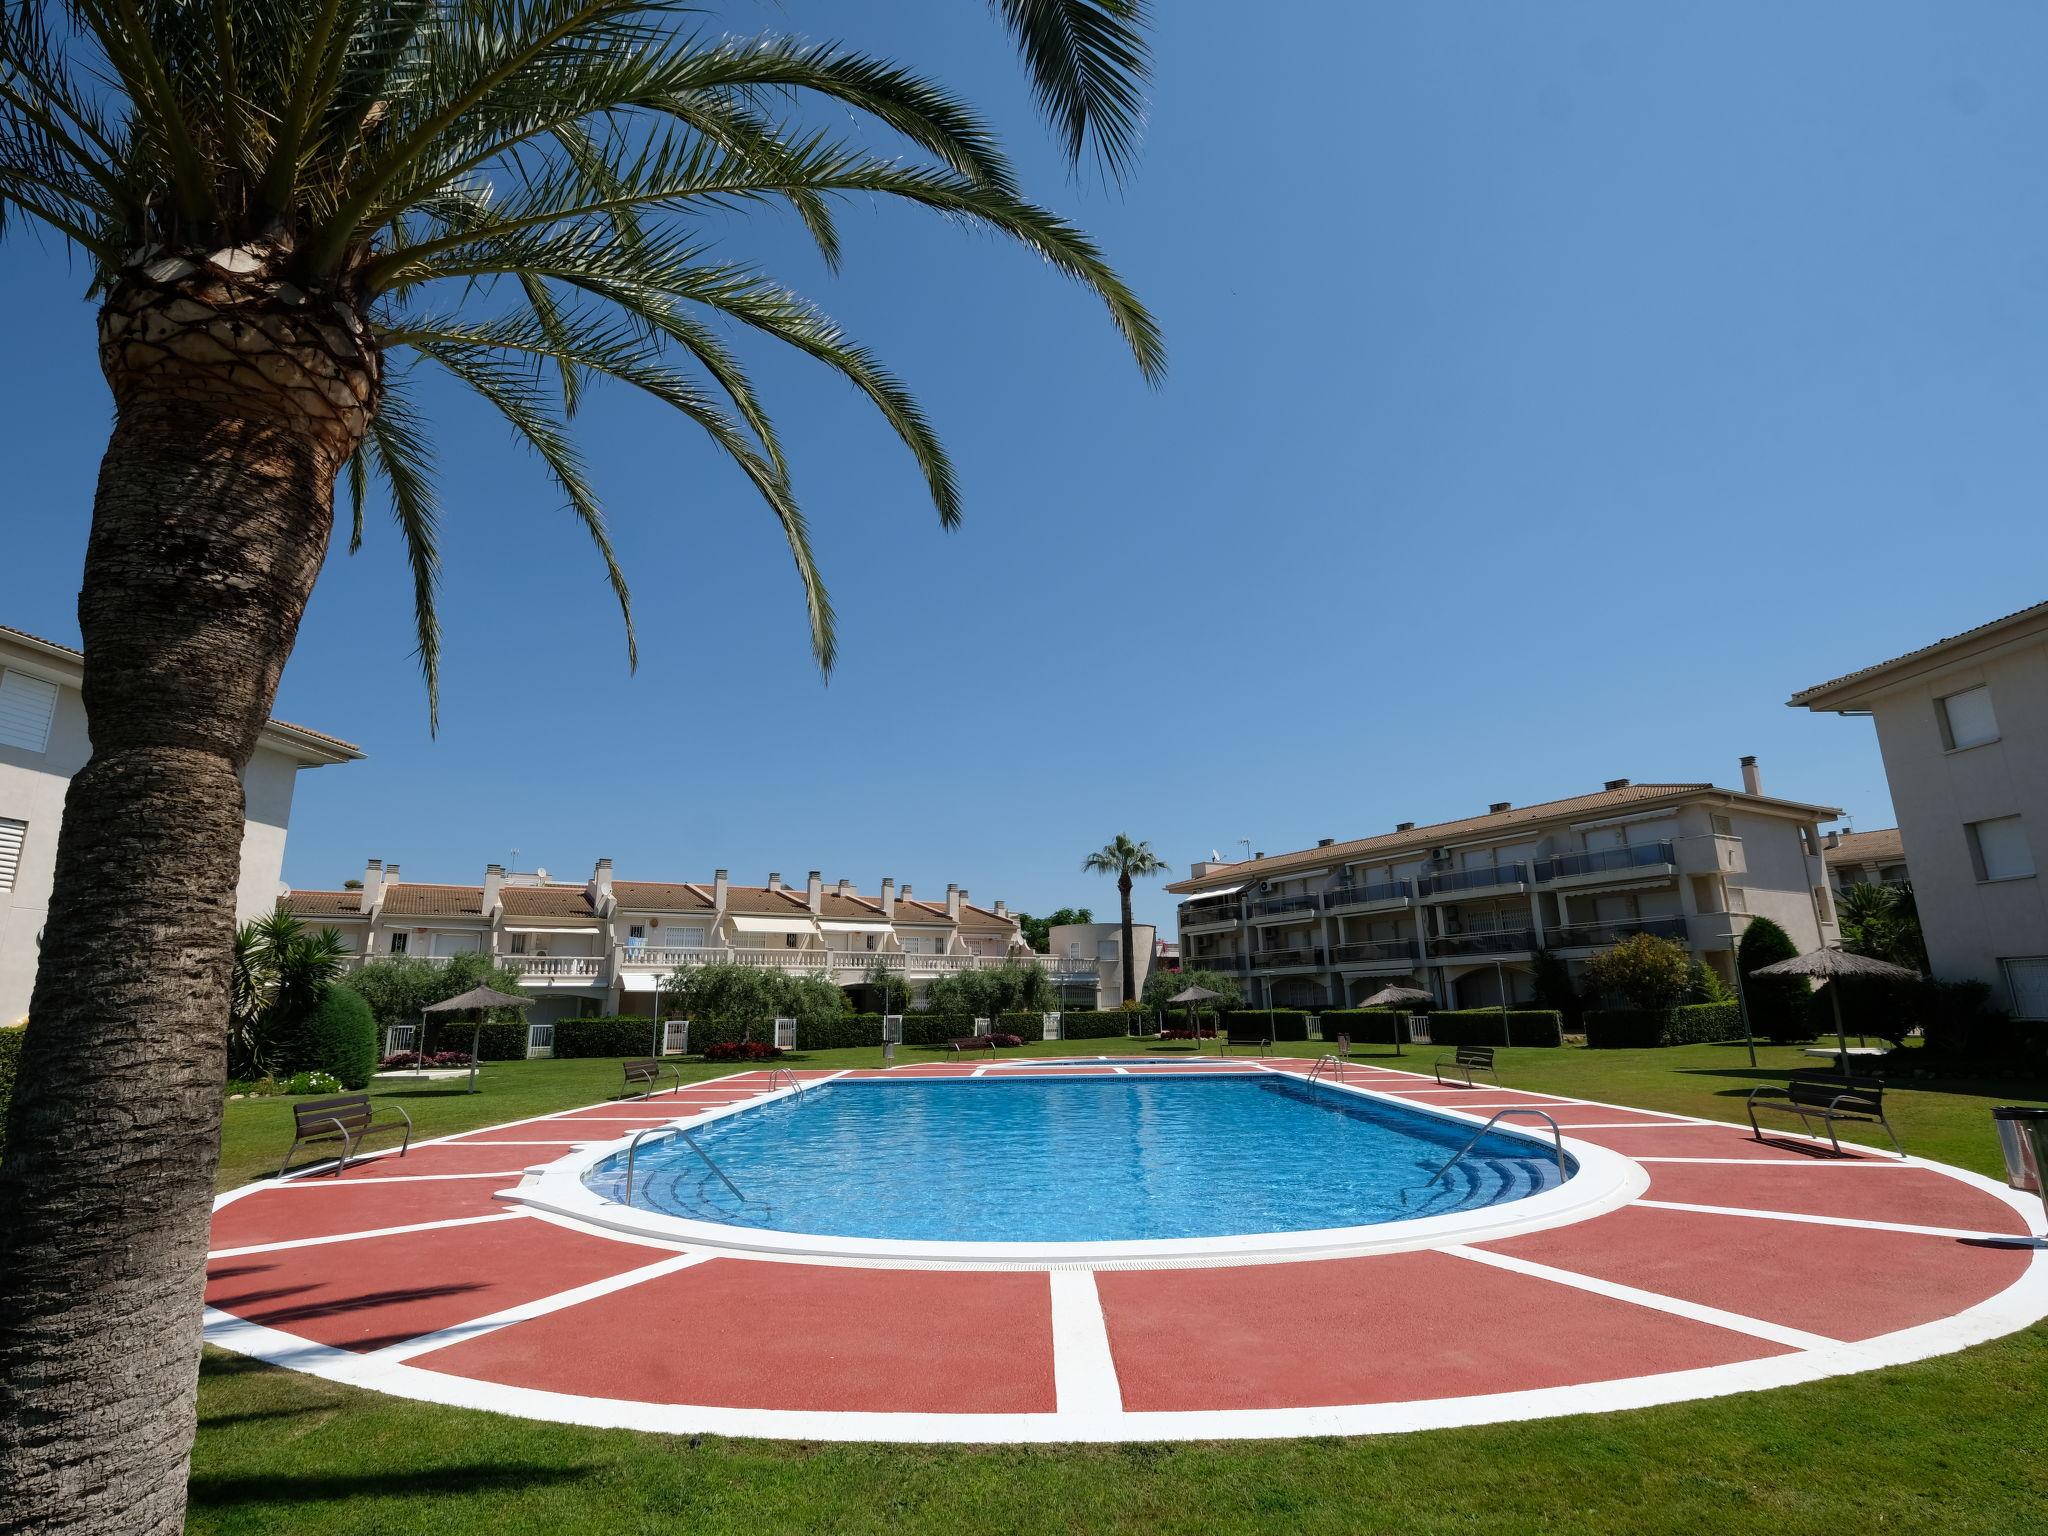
1556,1136
633,1151
789,1076
1334,1065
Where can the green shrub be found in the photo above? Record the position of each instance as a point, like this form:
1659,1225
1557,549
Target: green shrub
10,1064
303,1083
337,1035
1160,985
1367,1026
1642,1028
397,988
1286,1023
1482,1026
1777,1004
1642,971
620,1036
1704,1024
1553,988
496,1042
1092,1024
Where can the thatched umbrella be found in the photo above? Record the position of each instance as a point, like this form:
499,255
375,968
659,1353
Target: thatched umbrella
1830,964
1191,996
1394,997
482,1000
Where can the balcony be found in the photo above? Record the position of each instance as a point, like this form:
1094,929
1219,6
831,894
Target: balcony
844,966
1377,952
1605,935
1493,877
1226,963
1640,862
1350,898
1279,909
555,970
1286,959
1717,853
1218,912
1716,930
1491,945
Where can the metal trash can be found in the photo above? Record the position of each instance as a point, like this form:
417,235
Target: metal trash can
2023,1136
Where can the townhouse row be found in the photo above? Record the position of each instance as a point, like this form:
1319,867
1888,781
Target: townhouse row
604,946
1462,908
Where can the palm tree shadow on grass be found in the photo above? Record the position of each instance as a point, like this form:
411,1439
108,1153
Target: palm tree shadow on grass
273,1488
1748,1077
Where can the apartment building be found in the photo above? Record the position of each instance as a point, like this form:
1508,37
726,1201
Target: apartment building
1963,726
1103,944
1866,858
1461,908
604,945
43,743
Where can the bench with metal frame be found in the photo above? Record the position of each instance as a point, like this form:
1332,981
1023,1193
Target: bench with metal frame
1246,1034
1470,1059
346,1118
647,1072
1827,1098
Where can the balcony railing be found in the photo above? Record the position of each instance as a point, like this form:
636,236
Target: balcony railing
1280,906
1221,910
1602,861
1212,962
1363,895
1281,959
1474,879
1499,941
842,964
555,967
1377,949
1602,935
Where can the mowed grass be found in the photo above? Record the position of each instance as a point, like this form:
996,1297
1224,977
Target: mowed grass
1954,1444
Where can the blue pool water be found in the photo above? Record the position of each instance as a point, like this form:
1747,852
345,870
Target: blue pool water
1094,1159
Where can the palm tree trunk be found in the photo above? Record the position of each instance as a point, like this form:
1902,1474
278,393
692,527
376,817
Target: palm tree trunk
1130,965
210,522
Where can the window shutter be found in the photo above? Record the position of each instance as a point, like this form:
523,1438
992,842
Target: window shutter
12,834
2027,976
27,706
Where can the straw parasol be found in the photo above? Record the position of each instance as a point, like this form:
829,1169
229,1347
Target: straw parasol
1829,964
1394,997
1191,996
482,1000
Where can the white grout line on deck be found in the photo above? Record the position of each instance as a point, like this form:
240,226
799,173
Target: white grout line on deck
350,1237
526,1311
1083,1369
1828,1221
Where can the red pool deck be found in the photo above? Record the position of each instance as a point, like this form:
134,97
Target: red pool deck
1742,1265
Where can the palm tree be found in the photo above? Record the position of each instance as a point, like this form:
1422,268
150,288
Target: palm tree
293,211
280,971
1127,861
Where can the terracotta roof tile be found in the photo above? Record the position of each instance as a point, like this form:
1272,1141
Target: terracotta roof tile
2017,619
546,901
852,906
759,901
921,913
659,896
434,900
1883,846
983,920
323,903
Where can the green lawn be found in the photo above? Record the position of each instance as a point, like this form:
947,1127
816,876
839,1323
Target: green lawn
1953,1445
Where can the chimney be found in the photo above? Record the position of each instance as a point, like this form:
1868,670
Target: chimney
904,894
889,897
1498,806
1752,781
718,883
1615,784
814,893
774,881
1260,854
953,895
1001,910
1404,826
390,875
600,890
373,883
1834,839
494,881
1324,842
846,887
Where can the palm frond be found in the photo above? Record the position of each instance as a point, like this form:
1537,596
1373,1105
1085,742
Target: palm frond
1088,62
399,450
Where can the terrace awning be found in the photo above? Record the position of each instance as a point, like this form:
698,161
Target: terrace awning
853,925
748,924
1221,890
509,928
640,981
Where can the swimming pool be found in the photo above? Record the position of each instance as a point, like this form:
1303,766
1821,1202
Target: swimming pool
1019,1159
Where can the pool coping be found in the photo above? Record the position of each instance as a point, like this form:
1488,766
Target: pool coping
1605,1181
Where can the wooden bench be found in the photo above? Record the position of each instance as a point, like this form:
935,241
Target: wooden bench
646,1072
971,1043
1470,1059
346,1118
1826,1097
1246,1034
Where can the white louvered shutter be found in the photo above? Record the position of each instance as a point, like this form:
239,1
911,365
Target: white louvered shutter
11,835
27,706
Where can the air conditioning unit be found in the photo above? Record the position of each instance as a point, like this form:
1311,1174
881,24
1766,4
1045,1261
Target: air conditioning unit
1265,886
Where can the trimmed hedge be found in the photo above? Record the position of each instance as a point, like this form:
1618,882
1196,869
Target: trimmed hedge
1287,1023
1645,1028
338,1034
10,1063
497,1042
618,1036
1097,1024
1367,1026
1482,1026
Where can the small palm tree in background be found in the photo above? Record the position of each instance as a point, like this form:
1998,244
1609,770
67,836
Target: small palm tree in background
293,211
1128,861
280,971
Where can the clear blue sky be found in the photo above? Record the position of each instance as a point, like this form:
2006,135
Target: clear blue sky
1554,389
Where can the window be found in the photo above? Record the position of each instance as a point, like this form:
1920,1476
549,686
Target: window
455,943
2026,977
1998,848
1073,949
518,943
398,943
1966,719
1106,949
789,940
1723,826
1738,899
690,937
12,835
1820,905
27,706
636,936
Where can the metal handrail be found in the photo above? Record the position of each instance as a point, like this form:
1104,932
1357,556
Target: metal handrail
785,1072
1335,1065
1556,1136
633,1151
